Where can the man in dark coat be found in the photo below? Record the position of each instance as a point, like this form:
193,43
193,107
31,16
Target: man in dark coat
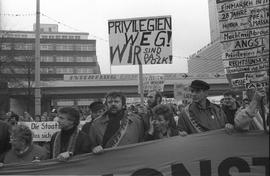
202,115
69,141
97,108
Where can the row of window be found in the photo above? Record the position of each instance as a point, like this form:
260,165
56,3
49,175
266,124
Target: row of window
43,36
48,47
60,37
58,59
51,70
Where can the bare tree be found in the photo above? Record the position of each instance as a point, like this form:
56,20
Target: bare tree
16,71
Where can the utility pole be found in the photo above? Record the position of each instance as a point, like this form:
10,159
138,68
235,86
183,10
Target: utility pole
37,61
141,83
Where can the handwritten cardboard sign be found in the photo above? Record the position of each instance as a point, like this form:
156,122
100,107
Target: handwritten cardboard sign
140,41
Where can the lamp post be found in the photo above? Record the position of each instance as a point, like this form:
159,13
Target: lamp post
37,61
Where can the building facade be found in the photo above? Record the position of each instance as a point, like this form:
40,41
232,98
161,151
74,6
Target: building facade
209,58
61,53
213,20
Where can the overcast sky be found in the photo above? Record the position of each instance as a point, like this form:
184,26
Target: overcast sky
190,24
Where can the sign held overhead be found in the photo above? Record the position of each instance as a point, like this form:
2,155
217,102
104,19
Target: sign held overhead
140,41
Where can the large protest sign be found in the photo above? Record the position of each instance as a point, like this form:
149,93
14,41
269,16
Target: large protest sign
140,40
213,153
152,83
244,34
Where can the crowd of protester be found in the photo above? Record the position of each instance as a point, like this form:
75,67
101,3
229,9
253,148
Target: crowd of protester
112,123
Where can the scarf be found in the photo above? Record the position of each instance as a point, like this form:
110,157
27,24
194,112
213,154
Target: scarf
115,130
62,136
196,125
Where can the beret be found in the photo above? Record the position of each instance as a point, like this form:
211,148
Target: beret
199,84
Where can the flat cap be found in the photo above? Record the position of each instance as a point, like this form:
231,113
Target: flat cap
199,84
96,106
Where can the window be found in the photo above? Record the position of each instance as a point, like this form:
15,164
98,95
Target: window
20,58
64,37
23,46
64,59
46,59
46,47
5,46
77,37
84,47
44,36
64,47
84,70
46,70
64,70
84,59
28,46
71,37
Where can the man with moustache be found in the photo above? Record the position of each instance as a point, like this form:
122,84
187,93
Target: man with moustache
116,127
202,115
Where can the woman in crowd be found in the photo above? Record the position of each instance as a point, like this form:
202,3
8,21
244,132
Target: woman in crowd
162,125
23,150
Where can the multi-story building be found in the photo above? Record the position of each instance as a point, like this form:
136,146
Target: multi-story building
60,53
213,20
208,59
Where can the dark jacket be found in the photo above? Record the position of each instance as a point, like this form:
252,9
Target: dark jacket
195,119
83,144
34,152
134,133
230,113
4,139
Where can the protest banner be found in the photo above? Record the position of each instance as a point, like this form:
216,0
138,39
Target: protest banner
213,153
139,41
152,83
43,131
244,34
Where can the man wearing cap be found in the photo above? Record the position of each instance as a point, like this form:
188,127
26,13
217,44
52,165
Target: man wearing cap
97,108
202,115
70,140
